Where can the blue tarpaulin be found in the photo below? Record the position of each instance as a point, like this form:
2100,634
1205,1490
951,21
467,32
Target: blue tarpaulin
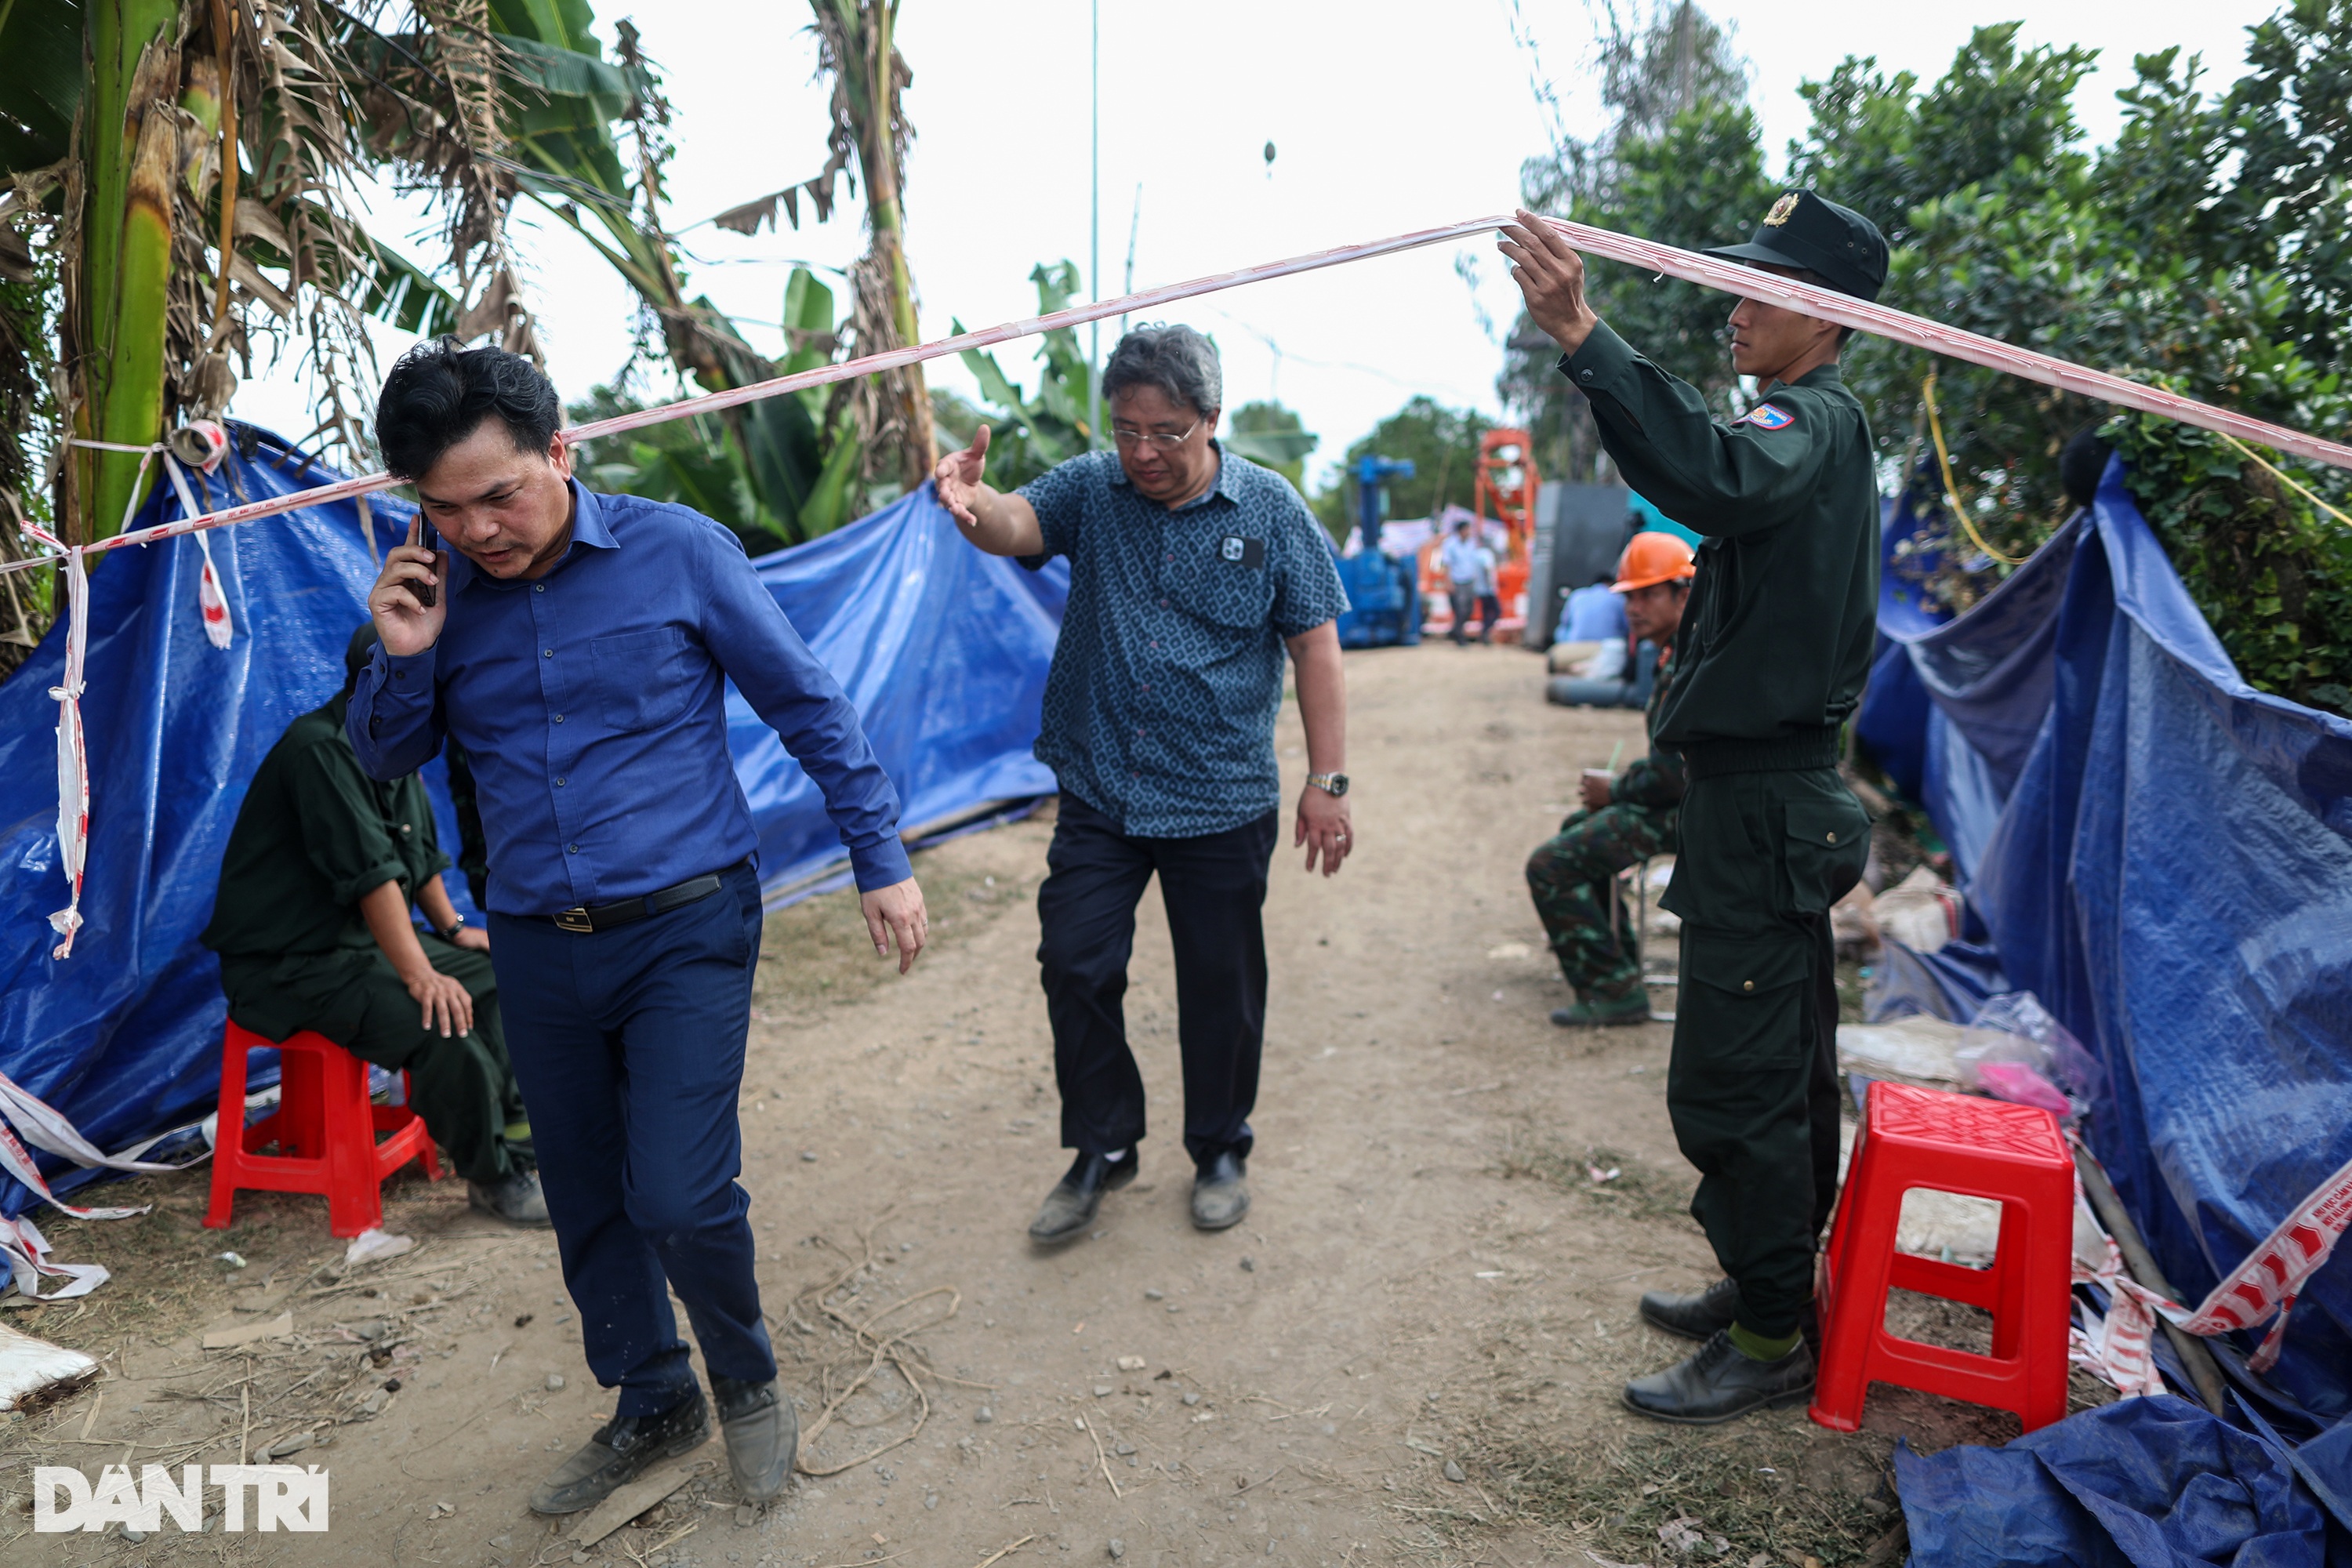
2148,1483
943,649
2160,852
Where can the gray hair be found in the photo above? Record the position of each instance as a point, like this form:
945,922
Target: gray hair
1177,360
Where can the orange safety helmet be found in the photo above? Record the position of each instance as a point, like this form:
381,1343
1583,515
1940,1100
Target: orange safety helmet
1654,558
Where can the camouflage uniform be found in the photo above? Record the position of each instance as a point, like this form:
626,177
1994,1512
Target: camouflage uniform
1573,875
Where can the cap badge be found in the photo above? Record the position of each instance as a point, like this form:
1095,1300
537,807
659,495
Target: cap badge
1782,210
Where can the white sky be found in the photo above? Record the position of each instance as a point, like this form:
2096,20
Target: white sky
1386,117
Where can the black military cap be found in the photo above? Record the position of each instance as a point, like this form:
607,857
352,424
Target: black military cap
1802,230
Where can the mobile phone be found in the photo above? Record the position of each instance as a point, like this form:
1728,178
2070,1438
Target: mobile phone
428,593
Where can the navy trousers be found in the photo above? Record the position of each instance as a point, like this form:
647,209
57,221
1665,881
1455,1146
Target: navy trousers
628,1044
1214,889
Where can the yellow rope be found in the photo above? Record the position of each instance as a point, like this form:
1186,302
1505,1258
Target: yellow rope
1951,492
2285,479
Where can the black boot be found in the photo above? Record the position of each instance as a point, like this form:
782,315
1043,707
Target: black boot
624,1449
1699,1317
1718,1383
762,1435
1070,1207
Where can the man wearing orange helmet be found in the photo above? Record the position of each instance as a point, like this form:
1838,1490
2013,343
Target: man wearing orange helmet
1573,875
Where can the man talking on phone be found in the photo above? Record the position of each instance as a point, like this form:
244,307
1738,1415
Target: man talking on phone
578,646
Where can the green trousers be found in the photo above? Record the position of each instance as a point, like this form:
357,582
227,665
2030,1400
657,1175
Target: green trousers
1573,877
1752,1086
463,1086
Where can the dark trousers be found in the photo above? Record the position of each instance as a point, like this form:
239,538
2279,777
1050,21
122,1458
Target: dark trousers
1214,889
629,1044
462,1085
1752,1088
1468,602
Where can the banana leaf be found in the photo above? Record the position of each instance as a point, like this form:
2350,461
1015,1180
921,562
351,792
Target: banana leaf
41,75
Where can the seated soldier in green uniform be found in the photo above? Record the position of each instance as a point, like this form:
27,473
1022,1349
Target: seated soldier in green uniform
311,923
1573,874
1770,668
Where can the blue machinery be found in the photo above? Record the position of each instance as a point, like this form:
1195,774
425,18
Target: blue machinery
1383,594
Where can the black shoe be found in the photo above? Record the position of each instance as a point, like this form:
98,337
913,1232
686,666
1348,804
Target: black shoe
1699,1317
763,1433
1219,1196
624,1449
1070,1207
1719,1382
514,1198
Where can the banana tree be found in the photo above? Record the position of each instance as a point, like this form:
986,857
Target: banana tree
177,181
1028,435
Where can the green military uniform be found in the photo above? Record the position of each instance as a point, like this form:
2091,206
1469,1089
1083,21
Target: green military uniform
314,837
1573,875
1774,645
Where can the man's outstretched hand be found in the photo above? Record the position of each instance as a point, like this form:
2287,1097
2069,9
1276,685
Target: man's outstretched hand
958,477
897,913
1551,275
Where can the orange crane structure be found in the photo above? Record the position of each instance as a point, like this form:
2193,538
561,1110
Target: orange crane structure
1507,481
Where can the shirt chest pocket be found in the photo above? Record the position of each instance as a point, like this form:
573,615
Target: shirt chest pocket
643,678
1226,583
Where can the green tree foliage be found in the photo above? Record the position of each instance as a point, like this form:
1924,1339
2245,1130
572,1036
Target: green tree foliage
1443,444
2205,248
792,487
1681,162
1027,434
1273,436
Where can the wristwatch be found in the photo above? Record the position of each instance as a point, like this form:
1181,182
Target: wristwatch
455,926
1329,784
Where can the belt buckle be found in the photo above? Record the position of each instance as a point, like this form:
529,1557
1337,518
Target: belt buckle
574,918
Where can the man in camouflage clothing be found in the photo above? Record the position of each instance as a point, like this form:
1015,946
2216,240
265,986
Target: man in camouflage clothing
1573,875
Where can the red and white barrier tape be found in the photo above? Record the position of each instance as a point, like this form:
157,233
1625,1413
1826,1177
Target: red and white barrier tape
73,756
73,815
2265,1284
21,1241
1730,276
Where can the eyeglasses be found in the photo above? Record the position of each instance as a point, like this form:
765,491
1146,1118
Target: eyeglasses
1159,440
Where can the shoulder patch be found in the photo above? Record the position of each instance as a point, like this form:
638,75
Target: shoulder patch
1768,416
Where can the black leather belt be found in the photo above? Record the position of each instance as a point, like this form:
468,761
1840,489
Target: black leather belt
604,917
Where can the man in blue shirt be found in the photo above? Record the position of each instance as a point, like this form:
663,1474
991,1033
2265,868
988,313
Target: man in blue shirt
1192,571
578,646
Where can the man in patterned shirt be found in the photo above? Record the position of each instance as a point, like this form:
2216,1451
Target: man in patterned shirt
1192,571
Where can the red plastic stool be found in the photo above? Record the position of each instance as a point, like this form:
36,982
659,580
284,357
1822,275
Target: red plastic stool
1981,1148
325,1128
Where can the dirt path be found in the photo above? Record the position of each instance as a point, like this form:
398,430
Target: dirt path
1409,1352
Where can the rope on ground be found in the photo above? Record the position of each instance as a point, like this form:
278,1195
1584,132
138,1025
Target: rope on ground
891,1350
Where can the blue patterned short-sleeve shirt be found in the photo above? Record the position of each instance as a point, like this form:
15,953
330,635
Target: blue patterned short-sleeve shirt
1161,703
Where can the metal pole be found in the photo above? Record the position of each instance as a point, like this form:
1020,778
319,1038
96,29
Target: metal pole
1094,228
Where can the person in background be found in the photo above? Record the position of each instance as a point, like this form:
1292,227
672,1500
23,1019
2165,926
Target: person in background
1770,666
1573,875
1469,567
1192,572
1624,672
311,920
578,647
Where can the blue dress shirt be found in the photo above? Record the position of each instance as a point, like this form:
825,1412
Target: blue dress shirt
591,703
1159,706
